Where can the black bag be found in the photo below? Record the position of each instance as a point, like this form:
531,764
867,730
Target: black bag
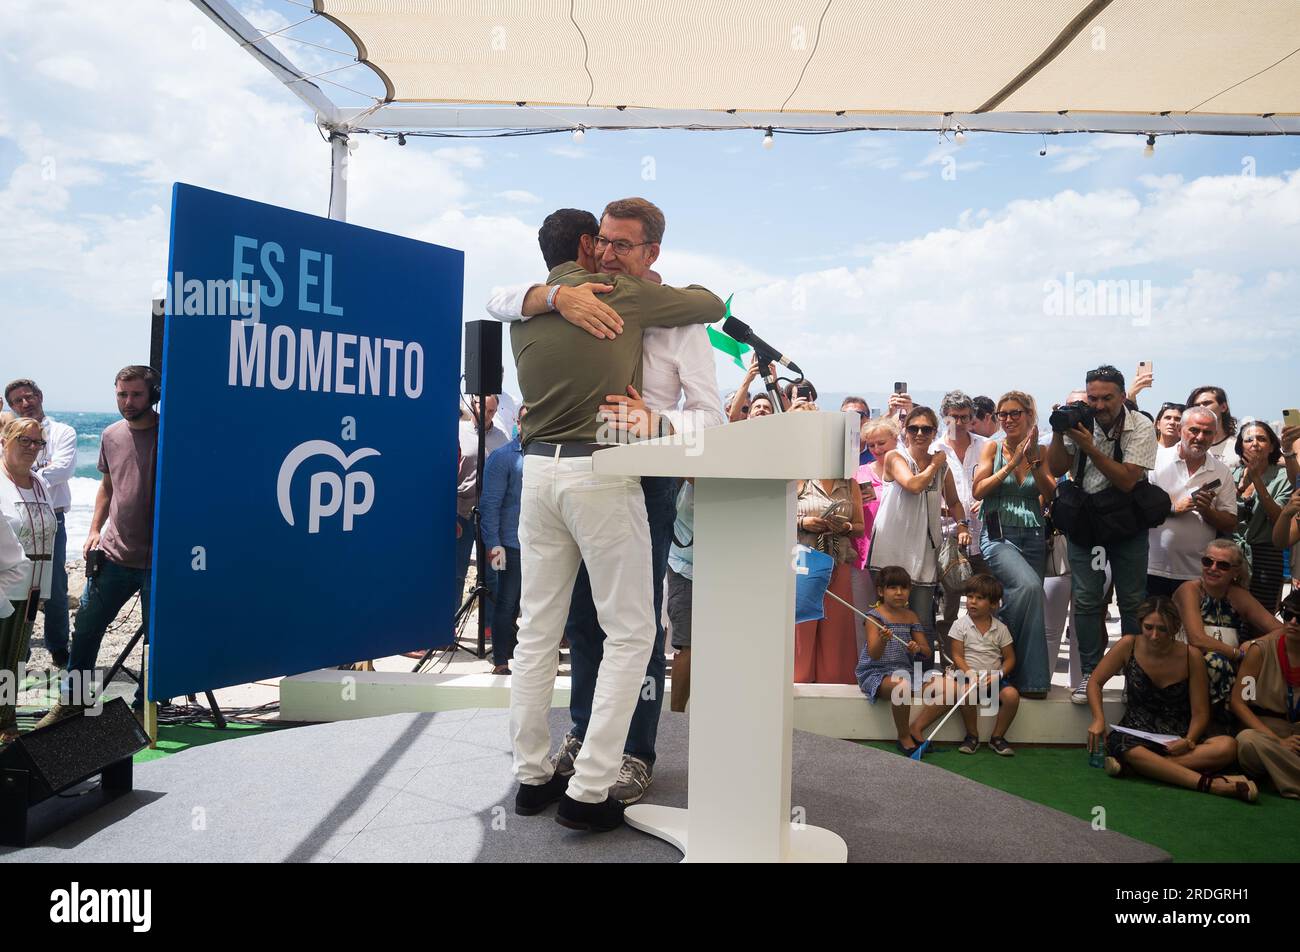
1070,512
1151,504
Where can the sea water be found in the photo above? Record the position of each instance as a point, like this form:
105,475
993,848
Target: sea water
85,483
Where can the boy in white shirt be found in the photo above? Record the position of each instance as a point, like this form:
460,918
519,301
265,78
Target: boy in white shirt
982,648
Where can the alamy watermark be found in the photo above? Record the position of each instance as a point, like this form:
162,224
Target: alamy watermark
182,297
1104,298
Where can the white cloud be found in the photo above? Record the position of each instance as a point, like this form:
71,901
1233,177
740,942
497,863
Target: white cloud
1161,182
967,304
73,70
519,196
86,195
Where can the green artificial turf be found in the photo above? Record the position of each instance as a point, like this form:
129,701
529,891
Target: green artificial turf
172,739
1192,827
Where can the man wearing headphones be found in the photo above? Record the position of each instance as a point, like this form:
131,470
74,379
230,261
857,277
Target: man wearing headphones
121,529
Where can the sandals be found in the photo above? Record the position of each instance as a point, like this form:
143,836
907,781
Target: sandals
1245,790
908,751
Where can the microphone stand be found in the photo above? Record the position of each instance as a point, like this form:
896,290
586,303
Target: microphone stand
765,361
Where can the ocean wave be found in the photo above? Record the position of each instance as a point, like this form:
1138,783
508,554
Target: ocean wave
77,521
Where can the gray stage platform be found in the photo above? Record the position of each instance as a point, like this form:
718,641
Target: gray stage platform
437,787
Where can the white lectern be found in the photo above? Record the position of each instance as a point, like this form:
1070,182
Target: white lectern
742,652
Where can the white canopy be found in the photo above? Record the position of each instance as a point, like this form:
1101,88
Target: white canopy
1161,66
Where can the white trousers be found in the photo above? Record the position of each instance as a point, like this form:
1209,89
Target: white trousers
1058,608
568,516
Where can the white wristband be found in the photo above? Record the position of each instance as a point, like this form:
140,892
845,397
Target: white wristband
550,297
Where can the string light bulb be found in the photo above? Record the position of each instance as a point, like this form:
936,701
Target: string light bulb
579,134
353,144
1150,149
401,138
767,139
960,136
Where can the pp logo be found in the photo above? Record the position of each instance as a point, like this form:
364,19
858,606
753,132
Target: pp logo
354,493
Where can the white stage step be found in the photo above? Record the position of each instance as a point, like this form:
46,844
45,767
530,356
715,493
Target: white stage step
832,710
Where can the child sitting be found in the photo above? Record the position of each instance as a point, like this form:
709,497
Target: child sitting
896,642
981,648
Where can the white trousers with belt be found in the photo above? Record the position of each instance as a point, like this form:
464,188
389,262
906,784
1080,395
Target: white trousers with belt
570,515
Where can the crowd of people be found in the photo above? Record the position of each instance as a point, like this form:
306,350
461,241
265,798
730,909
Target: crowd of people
1034,524
39,458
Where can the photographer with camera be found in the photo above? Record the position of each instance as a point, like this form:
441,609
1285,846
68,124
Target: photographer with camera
120,542
1106,508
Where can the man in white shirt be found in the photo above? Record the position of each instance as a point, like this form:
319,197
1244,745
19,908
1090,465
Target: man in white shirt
963,447
56,463
1201,511
677,367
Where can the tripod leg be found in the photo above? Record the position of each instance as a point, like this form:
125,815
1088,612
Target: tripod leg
218,718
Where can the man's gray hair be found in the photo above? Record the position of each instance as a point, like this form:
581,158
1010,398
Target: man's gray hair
1211,417
956,400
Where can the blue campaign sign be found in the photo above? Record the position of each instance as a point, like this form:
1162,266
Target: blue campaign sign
305,509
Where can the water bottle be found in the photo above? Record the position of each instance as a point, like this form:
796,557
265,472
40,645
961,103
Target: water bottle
1097,757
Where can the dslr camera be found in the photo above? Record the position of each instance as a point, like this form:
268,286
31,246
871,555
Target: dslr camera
1067,417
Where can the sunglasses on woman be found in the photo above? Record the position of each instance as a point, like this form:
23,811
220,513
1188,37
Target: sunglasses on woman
915,430
1219,564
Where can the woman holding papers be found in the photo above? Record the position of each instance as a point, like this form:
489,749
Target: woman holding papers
1160,735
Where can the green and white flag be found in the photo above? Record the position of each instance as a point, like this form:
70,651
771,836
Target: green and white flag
729,345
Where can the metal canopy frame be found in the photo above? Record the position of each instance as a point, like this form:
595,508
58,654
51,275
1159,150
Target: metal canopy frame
388,118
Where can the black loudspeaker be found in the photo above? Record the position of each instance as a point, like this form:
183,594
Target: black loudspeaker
483,371
43,763
156,337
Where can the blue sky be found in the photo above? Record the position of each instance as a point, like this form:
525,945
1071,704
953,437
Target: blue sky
868,257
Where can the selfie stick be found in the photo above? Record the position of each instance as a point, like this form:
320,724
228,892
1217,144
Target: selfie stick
916,754
885,629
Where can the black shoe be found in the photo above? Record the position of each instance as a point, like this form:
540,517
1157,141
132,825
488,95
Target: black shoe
596,817
533,798
59,659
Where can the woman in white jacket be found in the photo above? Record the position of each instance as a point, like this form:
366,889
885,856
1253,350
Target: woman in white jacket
26,552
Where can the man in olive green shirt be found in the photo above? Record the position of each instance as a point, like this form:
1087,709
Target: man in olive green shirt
565,373
570,515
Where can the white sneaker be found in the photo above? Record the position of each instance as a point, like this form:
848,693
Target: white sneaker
1080,694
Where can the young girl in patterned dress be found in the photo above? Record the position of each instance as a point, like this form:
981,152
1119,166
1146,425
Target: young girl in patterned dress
896,643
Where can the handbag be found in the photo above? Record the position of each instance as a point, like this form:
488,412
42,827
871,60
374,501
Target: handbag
1057,564
954,565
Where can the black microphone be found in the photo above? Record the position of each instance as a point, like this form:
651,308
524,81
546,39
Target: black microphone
739,330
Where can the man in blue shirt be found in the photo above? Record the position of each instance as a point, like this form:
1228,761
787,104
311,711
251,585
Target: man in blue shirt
503,482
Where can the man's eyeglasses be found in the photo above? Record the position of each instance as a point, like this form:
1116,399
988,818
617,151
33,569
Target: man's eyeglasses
1219,564
621,245
1004,415
915,430
959,417
28,442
